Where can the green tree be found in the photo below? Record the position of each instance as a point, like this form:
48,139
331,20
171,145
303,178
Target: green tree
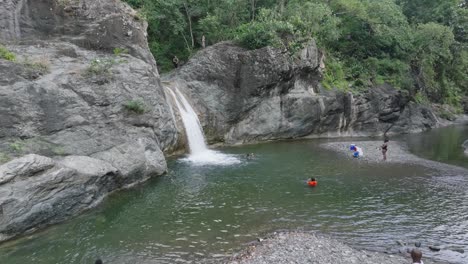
432,55
419,45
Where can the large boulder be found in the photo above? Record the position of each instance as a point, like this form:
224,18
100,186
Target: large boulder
37,191
136,160
47,192
253,95
84,94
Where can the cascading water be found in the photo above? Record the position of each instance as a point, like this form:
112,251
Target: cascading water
199,152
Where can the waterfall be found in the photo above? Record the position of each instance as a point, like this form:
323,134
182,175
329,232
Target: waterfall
199,152
192,125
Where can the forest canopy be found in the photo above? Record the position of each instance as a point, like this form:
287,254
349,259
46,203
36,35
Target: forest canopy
416,45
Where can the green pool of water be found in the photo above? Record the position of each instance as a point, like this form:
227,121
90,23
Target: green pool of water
442,144
194,214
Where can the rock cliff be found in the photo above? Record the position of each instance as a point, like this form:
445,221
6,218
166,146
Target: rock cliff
246,96
84,94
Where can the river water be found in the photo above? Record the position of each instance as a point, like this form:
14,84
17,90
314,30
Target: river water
200,213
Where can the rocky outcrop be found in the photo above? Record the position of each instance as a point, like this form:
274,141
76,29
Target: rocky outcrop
246,96
67,87
84,94
36,191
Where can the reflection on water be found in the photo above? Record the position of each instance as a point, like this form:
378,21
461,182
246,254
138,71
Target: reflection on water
197,213
441,144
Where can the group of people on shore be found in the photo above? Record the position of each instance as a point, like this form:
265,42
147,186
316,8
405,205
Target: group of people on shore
358,152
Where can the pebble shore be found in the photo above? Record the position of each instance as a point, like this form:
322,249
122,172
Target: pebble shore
302,247
397,153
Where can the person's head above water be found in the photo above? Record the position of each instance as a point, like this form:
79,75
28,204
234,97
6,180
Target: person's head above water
386,140
98,261
312,179
416,255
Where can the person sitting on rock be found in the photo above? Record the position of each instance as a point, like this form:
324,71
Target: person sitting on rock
175,61
416,255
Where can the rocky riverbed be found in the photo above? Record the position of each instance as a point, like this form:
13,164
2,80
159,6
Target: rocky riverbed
301,247
397,153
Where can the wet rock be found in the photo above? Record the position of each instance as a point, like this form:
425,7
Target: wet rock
404,250
434,248
456,249
401,243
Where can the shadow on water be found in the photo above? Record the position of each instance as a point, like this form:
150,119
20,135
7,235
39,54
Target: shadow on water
198,213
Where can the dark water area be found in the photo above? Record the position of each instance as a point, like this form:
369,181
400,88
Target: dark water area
200,213
443,144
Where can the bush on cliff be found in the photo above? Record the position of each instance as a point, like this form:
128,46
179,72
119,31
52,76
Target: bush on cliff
6,54
100,66
135,106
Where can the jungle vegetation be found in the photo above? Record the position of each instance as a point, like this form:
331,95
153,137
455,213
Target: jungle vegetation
419,46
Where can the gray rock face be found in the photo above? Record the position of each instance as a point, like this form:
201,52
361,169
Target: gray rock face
244,96
64,98
53,194
37,191
136,161
24,167
67,87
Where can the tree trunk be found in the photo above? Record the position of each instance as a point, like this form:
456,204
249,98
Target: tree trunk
252,7
190,23
282,4
186,43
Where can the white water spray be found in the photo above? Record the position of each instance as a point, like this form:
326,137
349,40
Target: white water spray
199,152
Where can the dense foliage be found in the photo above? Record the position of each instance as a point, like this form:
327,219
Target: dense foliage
417,45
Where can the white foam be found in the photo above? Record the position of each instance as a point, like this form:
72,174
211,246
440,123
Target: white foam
199,152
211,157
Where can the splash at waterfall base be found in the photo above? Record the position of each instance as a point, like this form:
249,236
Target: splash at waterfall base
199,152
